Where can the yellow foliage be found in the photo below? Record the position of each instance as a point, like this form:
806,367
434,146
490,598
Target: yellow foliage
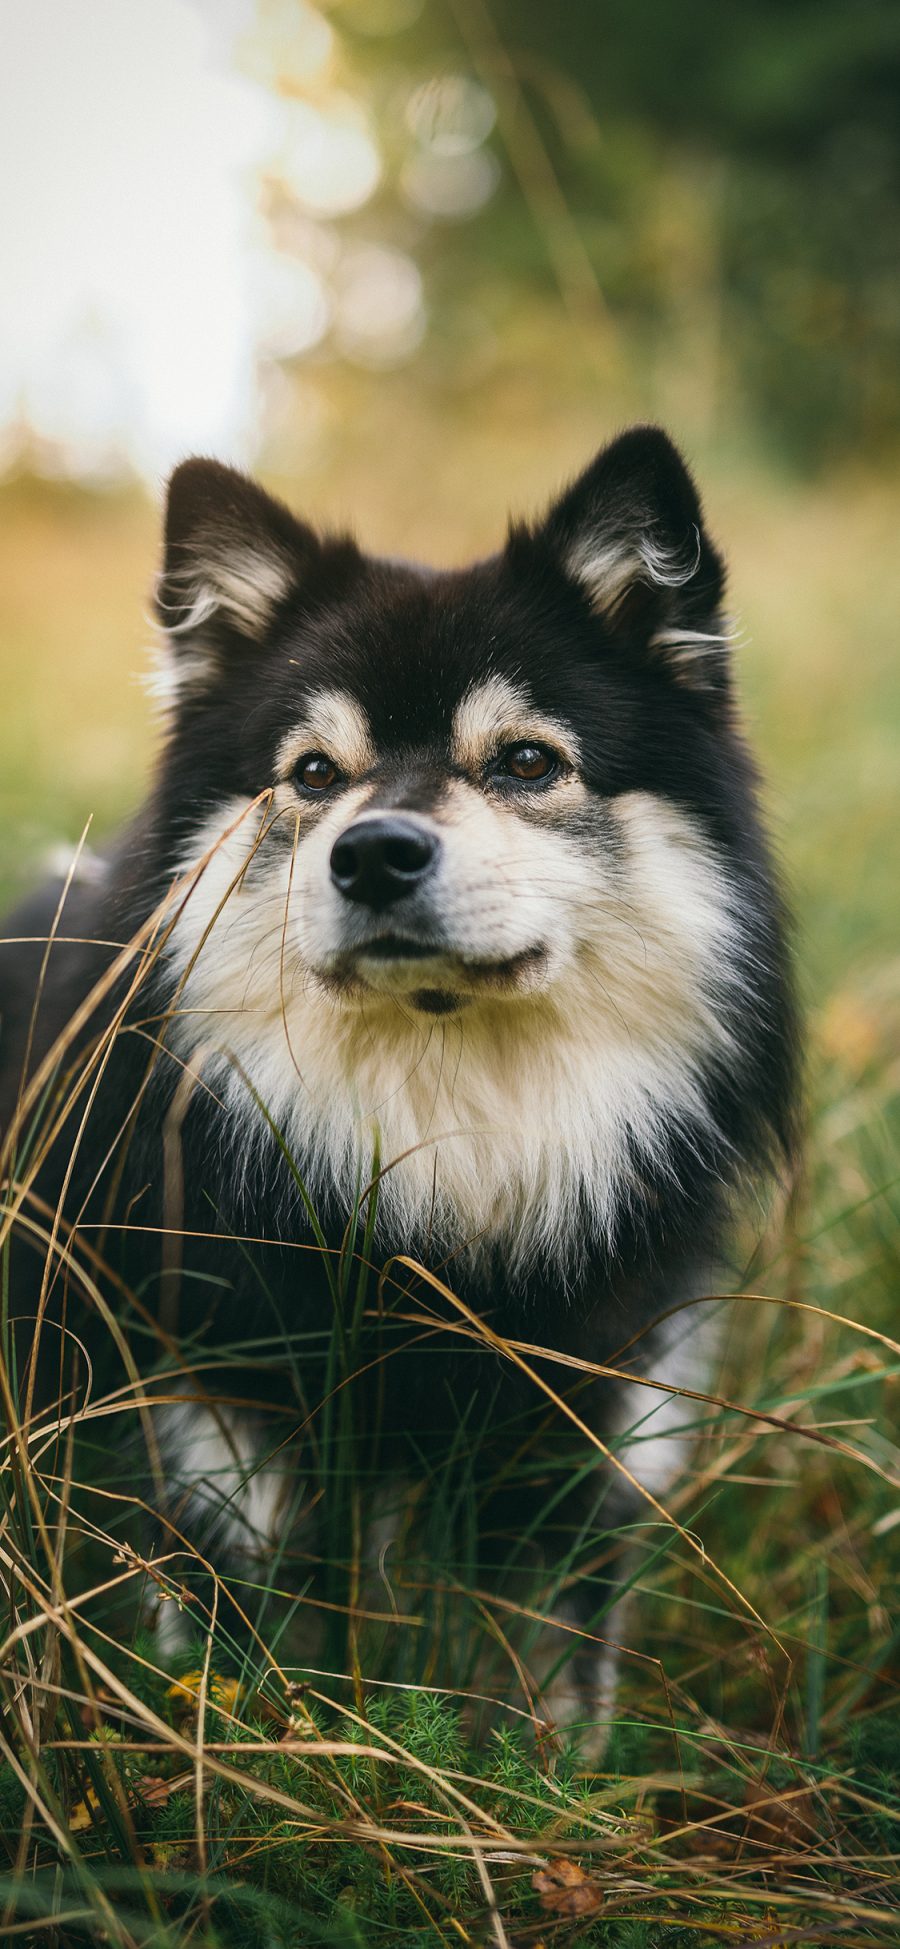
185,1691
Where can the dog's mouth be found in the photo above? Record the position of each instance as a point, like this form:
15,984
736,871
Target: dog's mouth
389,965
397,947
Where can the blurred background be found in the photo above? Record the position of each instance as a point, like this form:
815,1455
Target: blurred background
413,260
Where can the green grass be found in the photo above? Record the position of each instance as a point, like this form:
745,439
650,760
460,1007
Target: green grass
751,1789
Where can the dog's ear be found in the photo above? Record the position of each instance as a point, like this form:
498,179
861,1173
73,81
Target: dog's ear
232,555
630,532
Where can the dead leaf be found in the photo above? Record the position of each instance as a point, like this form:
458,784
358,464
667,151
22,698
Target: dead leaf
565,1889
80,1817
154,1790
791,1819
711,1841
225,1693
185,1692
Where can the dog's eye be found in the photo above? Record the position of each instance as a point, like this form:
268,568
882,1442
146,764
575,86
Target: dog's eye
528,762
315,772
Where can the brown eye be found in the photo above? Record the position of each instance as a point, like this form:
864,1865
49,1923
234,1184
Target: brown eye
529,762
315,772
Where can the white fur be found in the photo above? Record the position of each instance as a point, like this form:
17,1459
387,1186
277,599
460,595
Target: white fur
243,583
579,1698
81,866
607,568
519,1113
212,1460
653,1431
690,650
246,583
171,673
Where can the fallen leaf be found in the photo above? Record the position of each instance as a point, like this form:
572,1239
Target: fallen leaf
708,1841
80,1817
791,1819
185,1692
225,1693
565,1889
154,1790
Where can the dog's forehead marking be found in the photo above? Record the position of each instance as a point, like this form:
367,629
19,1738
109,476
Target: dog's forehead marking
333,722
497,712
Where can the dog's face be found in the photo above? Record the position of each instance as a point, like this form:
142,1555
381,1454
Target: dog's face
439,774
434,860
407,798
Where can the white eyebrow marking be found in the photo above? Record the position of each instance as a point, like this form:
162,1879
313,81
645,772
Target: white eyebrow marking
497,712
334,723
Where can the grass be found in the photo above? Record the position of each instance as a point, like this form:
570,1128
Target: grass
357,1793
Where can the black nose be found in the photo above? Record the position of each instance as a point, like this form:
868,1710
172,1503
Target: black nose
380,860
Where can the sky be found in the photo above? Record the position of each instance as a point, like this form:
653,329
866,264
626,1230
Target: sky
130,154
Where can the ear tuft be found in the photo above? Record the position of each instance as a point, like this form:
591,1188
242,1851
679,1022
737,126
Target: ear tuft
232,554
630,532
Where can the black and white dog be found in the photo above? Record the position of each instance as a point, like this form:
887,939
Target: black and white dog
462,870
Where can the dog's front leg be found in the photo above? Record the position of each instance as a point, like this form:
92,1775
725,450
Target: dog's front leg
647,1425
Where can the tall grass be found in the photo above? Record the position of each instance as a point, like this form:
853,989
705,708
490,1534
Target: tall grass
355,1745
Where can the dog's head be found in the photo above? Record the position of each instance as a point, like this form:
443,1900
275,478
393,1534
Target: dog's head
469,852
448,770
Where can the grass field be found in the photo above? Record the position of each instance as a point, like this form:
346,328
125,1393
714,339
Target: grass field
751,1789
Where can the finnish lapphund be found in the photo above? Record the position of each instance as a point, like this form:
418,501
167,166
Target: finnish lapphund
448,937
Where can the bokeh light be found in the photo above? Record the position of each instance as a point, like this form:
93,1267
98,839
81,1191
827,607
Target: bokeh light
379,310
451,114
328,161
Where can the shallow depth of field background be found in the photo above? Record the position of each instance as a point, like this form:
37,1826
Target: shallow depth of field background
414,260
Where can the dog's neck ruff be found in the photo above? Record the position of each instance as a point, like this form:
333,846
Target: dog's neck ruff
490,1134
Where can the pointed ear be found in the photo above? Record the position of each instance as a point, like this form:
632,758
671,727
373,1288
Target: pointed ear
630,532
231,556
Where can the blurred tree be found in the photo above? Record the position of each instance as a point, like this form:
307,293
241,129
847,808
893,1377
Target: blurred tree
717,188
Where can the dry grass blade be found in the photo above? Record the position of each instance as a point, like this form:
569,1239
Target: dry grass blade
508,1349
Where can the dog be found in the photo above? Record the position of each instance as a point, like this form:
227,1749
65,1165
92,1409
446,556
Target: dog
450,915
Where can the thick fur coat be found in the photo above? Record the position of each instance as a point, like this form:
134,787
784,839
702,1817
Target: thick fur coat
454,876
